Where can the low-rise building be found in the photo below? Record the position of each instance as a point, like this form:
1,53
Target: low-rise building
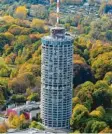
30,110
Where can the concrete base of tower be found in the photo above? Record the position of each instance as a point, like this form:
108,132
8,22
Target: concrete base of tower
57,130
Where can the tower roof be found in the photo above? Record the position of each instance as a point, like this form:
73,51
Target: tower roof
58,32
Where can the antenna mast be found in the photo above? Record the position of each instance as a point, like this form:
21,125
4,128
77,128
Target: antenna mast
58,5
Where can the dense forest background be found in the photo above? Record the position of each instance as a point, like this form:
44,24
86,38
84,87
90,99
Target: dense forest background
22,25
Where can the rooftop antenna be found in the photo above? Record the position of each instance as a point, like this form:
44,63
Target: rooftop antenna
58,5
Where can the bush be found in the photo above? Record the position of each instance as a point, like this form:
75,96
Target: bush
94,126
18,98
34,97
37,125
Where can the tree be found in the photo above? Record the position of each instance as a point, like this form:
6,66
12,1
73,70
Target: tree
23,39
21,12
94,126
84,93
35,124
9,19
18,99
108,78
3,41
99,113
99,28
109,35
99,49
16,121
91,2
79,116
33,68
106,130
52,18
3,128
85,98
102,64
67,26
9,36
82,73
77,59
22,82
24,125
39,11
74,2
15,29
75,101
38,25
2,98
22,118
33,97
4,71
102,95
102,8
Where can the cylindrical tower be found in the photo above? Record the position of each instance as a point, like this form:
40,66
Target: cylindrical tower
56,79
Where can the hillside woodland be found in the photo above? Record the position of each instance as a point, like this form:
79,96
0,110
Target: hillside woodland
21,28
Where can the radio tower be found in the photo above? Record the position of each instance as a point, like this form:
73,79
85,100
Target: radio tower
58,5
56,78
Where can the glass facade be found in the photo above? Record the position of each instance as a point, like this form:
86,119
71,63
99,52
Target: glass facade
56,81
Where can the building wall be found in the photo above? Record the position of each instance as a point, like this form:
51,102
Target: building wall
56,79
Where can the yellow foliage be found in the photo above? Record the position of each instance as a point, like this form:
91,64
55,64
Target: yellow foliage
37,23
76,100
11,116
46,28
22,118
3,128
9,35
21,12
16,121
8,19
97,43
78,59
106,130
28,91
36,36
97,113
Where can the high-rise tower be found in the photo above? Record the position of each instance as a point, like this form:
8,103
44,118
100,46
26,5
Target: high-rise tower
56,79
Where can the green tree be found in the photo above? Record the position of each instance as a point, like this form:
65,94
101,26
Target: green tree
98,113
108,78
79,116
94,126
102,64
102,95
33,97
84,93
2,98
35,124
18,98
